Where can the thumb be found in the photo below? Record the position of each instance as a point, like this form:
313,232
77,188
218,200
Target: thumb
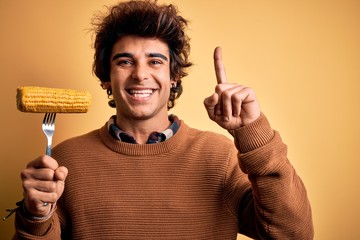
210,104
60,176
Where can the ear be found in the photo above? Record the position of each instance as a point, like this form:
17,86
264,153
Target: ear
106,85
173,81
172,84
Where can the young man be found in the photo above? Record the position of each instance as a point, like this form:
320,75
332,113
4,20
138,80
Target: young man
148,175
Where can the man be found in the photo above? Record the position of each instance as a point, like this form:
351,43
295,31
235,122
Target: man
148,175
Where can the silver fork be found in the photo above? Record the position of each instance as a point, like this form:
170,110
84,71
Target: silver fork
48,127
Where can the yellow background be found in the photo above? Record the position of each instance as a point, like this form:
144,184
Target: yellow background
301,57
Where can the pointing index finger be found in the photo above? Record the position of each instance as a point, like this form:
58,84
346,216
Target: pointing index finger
219,66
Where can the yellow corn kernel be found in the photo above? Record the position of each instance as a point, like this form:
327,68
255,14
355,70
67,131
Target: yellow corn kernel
42,100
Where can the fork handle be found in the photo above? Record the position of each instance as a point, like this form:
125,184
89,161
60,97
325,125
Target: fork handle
48,150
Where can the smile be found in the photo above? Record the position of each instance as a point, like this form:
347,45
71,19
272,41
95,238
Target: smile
144,93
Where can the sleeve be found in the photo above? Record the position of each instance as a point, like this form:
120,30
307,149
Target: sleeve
28,229
51,228
275,206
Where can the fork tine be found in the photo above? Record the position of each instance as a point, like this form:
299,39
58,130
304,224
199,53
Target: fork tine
52,119
45,118
49,118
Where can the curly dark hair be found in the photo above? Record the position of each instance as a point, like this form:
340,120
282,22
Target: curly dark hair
144,18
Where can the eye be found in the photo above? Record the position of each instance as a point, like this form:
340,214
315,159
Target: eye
155,62
124,62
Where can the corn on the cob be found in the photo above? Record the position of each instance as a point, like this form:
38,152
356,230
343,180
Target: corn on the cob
42,100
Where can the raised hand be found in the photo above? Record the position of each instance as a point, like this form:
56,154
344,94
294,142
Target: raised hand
232,105
43,182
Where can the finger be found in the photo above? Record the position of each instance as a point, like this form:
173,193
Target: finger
61,173
225,91
233,98
45,174
41,186
44,162
236,105
210,104
219,66
39,197
243,96
228,107
237,98
60,188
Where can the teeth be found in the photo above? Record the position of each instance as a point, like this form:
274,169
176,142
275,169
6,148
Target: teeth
141,93
132,91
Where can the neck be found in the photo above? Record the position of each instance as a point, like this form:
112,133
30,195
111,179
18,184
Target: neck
141,129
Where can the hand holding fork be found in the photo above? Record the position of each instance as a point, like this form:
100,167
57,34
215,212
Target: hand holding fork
43,179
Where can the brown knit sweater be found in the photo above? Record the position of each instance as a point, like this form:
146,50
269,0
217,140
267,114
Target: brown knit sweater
188,187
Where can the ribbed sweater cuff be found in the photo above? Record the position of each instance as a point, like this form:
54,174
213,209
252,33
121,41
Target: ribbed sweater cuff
33,227
254,135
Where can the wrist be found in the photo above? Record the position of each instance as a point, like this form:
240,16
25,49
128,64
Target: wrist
31,216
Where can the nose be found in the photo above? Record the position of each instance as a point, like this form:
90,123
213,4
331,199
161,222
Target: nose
140,72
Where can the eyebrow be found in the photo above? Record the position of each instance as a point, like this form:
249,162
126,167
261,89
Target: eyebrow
120,55
158,55
129,55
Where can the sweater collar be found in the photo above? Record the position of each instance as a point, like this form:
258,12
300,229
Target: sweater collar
155,137
144,149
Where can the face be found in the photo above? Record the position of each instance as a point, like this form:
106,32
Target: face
140,77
